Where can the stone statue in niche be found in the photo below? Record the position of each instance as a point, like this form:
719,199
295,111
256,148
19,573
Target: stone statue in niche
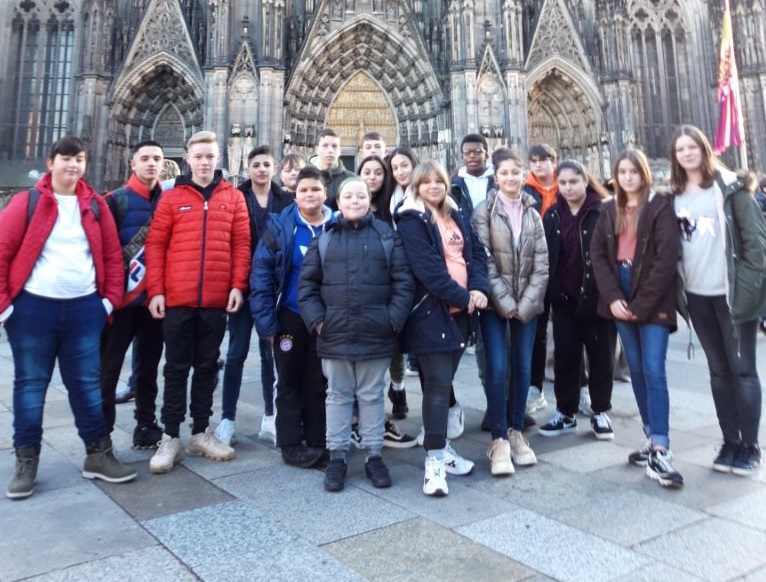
337,9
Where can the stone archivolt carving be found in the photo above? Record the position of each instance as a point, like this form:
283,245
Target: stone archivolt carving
359,107
164,30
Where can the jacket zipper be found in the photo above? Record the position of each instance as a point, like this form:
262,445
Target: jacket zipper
202,261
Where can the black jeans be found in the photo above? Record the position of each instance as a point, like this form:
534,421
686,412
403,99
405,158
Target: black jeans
540,347
301,385
127,324
730,353
570,335
192,339
437,370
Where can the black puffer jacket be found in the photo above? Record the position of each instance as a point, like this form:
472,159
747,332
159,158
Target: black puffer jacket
360,296
585,305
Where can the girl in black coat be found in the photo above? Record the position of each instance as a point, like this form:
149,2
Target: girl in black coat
450,268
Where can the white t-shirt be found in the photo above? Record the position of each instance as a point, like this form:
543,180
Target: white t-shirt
64,269
703,248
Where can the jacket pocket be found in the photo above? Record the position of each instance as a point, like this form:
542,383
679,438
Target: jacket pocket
748,300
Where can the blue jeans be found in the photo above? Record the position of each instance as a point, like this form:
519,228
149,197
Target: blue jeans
646,348
507,412
240,332
40,331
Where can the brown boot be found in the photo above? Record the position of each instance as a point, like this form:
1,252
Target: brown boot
23,483
101,464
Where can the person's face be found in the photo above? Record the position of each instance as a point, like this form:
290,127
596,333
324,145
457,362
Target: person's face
289,175
353,201
328,151
66,171
542,168
310,196
372,173
572,186
147,164
261,170
474,158
401,168
203,159
510,177
629,178
374,147
688,153
432,190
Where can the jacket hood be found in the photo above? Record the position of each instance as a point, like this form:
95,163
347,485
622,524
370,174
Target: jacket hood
591,198
489,171
340,222
299,220
494,194
83,190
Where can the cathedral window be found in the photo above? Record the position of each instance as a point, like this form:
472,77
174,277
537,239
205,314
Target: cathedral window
42,43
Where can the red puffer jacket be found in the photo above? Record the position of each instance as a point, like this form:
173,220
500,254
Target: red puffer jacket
197,250
22,243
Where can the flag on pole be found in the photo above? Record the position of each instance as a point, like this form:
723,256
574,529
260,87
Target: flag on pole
731,131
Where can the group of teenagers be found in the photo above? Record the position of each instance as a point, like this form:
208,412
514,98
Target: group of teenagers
342,273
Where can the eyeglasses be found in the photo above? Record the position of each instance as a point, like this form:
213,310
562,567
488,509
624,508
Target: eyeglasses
476,152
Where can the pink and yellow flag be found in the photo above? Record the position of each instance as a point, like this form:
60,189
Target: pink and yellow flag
731,131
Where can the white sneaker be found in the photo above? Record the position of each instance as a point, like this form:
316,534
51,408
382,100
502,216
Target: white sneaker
435,480
521,453
454,463
455,421
224,432
208,445
499,455
268,430
169,452
536,400
584,406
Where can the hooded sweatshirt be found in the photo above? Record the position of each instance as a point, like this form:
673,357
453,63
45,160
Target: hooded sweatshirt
547,195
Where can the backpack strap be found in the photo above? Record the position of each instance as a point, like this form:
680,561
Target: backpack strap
324,242
34,198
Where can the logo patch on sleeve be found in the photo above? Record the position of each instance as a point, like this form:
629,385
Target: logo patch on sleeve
286,343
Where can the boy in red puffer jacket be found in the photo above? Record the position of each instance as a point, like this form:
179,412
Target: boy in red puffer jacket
198,263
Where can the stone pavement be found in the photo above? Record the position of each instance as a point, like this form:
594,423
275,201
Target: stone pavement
581,514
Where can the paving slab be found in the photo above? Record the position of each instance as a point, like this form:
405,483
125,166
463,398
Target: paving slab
73,525
214,534
300,503
553,548
464,504
150,496
420,548
546,489
296,560
628,517
250,455
152,563
713,549
657,571
748,510
588,457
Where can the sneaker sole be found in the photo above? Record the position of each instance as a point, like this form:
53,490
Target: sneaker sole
140,447
454,471
399,444
501,469
524,460
668,483
604,436
268,436
379,483
439,492
21,494
161,470
740,472
557,432
125,479
195,453
722,468
642,463
334,488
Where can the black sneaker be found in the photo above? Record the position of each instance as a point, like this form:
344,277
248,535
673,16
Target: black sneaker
747,461
660,468
640,456
398,398
146,436
725,458
602,426
301,456
356,438
393,438
559,424
335,475
377,472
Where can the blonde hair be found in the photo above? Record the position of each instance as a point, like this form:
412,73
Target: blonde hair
424,170
169,170
202,137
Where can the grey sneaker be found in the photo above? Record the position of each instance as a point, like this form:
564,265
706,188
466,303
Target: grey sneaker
100,463
208,445
23,483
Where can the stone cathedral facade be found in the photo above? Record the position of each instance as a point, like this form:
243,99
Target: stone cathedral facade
586,76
